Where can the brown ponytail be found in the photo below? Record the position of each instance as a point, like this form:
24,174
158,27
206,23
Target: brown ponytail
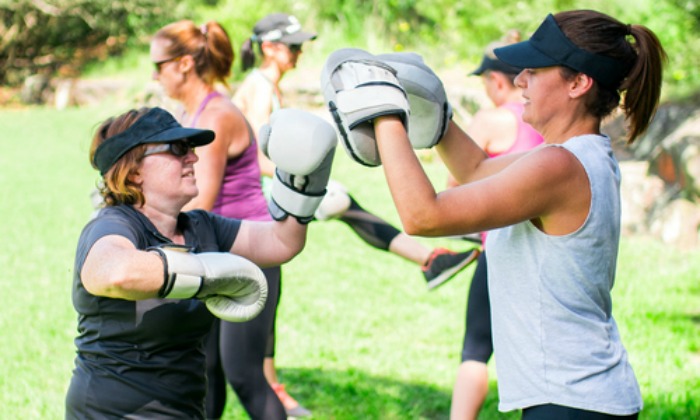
636,48
642,86
208,44
247,55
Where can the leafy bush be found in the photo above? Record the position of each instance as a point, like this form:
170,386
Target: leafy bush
60,36
45,36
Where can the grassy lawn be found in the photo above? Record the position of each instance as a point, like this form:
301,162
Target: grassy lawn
359,337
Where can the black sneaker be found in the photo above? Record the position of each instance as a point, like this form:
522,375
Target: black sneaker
443,264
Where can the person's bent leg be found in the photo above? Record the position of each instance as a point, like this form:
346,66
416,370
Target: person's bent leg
437,265
471,386
470,390
269,368
291,406
372,229
242,352
409,248
216,381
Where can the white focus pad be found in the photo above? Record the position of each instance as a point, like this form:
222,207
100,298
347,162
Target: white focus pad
359,88
365,105
430,109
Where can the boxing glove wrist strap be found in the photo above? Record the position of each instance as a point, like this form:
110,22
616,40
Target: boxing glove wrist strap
290,201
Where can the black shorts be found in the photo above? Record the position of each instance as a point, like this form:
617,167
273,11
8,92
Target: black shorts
478,344
558,412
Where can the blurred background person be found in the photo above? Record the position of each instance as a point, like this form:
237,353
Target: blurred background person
498,130
278,40
190,61
260,94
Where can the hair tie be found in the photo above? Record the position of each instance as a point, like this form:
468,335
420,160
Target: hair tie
629,29
203,29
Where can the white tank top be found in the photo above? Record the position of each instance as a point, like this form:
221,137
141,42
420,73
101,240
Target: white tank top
555,340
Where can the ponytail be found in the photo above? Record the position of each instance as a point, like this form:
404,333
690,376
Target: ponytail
638,51
247,55
642,86
217,54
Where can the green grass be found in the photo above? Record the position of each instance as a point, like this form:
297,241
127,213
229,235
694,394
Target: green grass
359,336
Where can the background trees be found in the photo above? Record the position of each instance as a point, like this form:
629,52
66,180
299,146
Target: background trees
59,37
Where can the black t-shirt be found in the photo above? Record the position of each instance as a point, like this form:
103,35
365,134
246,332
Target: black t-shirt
142,358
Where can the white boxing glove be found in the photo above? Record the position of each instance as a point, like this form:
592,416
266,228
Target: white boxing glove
302,147
430,110
359,88
233,288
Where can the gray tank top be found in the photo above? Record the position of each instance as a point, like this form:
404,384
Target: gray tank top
555,340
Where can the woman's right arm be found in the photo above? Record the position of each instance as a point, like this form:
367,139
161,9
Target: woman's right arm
466,160
270,243
547,186
115,268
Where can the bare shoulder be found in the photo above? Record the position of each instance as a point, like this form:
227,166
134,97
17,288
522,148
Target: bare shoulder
559,160
494,115
493,129
565,201
250,88
223,109
548,165
243,92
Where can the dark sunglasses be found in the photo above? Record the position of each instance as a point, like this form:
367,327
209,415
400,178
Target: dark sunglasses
159,64
294,48
178,148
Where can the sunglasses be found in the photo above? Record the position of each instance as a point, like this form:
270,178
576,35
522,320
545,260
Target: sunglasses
159,64
294,48
178,149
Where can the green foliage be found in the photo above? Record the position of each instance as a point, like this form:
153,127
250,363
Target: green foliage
677,23
61,36
449,32
43,37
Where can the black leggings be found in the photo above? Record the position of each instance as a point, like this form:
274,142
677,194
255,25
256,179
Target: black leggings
235,351
375,231
478,344
558,412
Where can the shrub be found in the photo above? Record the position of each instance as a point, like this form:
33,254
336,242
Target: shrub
61,36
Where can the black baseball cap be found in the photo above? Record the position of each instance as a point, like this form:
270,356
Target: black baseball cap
548,47
155,126
490,62
281,27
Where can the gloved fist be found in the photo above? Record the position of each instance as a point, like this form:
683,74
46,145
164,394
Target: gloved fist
233,288
359,88
302,147
430,110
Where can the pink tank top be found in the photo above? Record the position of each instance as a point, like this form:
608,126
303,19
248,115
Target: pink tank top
526,137
240,196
